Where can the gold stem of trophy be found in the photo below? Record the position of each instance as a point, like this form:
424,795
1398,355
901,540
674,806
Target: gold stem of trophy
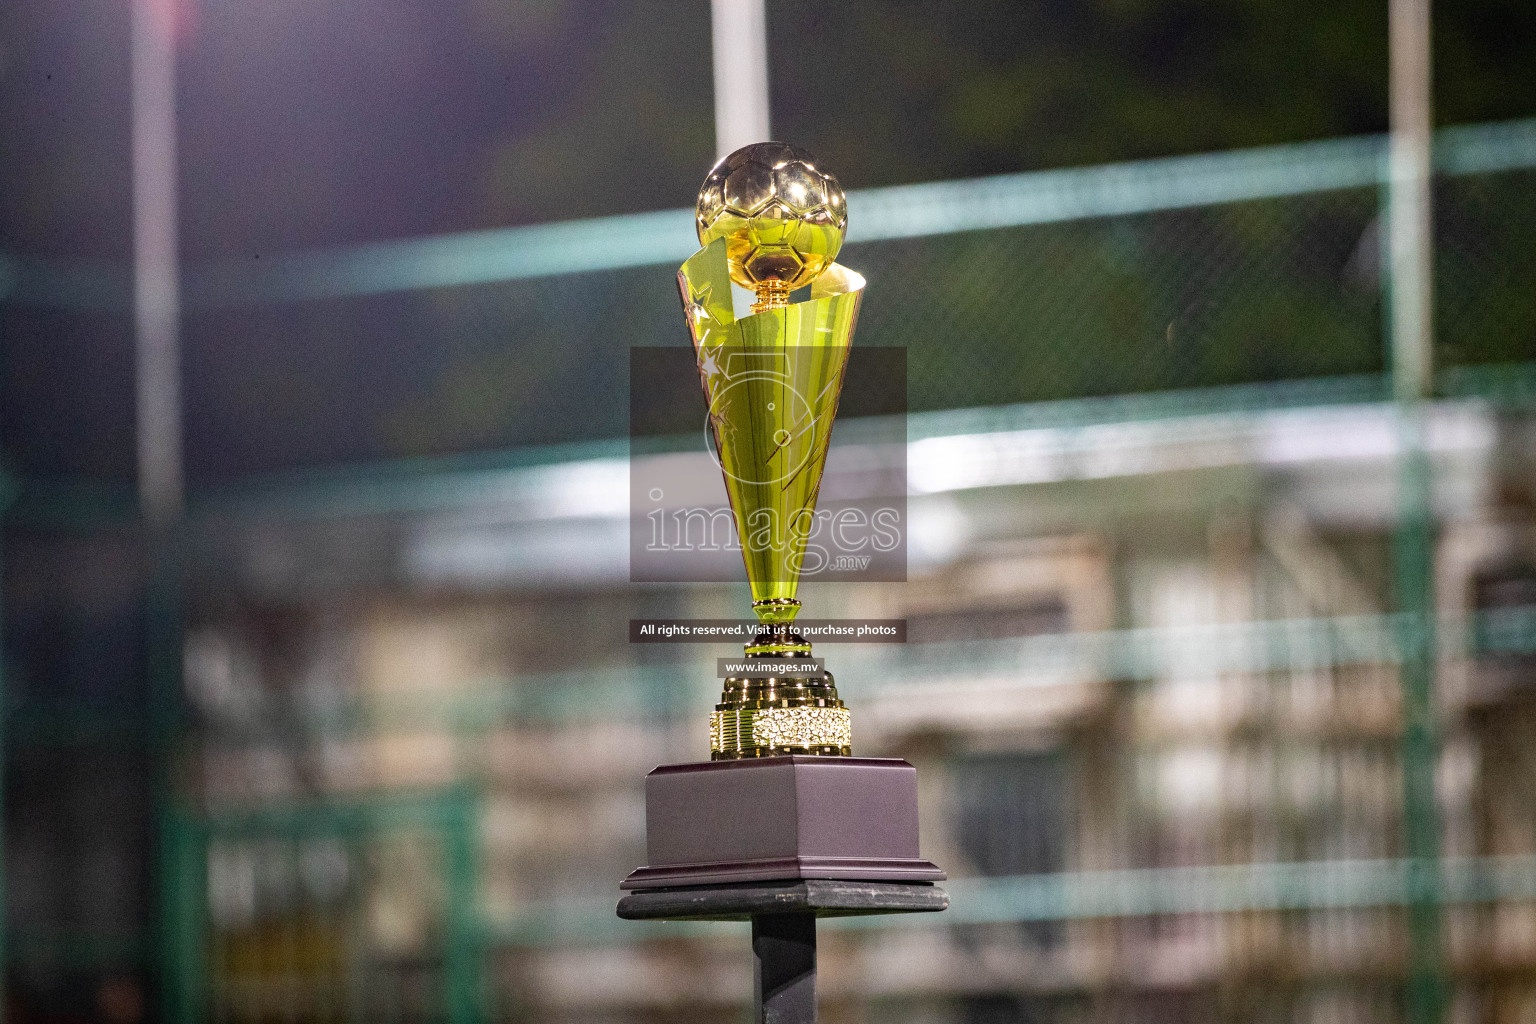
770,295
771,221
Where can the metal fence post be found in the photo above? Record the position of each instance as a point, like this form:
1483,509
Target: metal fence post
463,955
184,909
6,491
1413,558
182,861
1409,299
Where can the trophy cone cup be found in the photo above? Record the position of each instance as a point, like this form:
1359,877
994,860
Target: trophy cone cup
771,221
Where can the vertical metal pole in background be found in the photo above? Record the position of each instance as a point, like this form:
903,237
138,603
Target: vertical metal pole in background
181,887
183,855
784,968
1409,222
5,499
156,282
463,955
1411,323
739,35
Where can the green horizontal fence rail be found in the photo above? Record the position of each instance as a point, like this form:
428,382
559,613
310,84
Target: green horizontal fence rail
904,211
417,485
664,692
1069,896
423,484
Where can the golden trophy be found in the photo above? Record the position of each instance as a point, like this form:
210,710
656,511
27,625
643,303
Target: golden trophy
783,824
771,221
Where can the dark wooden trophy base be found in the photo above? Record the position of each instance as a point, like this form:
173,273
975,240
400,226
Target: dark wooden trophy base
781,841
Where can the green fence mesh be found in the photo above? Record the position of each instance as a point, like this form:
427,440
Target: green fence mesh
1301,904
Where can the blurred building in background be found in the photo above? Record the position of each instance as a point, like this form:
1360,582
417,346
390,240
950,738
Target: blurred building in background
363,738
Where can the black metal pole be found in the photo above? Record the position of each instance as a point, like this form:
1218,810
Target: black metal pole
784,968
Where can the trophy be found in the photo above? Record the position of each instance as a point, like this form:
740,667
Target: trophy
772,222
782,797
782,825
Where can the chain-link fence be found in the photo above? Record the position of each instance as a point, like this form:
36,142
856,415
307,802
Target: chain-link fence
1158,702
1196,272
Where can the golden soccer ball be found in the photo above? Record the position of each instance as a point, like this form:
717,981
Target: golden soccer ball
782,217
